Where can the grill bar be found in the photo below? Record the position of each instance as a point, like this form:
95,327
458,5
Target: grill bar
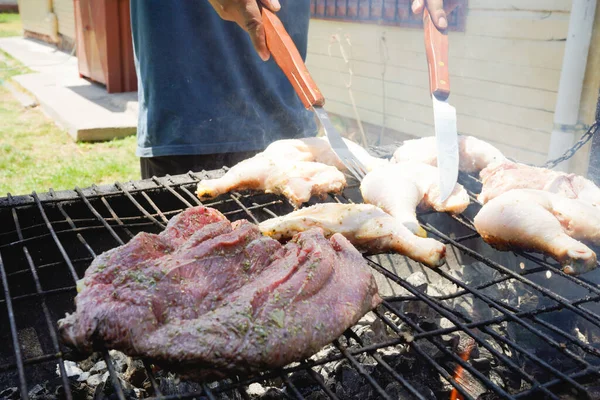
588,315
45,310
55,238
13,333
148,199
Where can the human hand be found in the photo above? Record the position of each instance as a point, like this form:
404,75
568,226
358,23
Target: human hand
438,9
246,13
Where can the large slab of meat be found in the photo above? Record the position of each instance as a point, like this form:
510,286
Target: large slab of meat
209,298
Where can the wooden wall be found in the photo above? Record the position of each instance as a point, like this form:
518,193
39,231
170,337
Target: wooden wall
66,17
37,18
48,19
505,70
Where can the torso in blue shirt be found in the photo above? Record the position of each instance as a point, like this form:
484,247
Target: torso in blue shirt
203,89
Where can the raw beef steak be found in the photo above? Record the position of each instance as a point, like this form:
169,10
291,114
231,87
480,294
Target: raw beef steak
209,298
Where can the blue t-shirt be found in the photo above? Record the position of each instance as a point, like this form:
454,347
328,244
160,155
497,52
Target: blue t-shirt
202,88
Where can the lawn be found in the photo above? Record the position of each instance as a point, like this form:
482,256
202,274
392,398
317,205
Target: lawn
37,155
10,25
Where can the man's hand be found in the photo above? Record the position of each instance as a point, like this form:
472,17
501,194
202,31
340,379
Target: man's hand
246,13
438,9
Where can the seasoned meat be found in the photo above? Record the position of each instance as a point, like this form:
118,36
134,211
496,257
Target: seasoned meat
319,150
474,154
399,189
545,222
294,168
208,298
296,180
499,178
368,227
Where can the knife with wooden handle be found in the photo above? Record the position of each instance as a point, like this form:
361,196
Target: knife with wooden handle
444,115
288,58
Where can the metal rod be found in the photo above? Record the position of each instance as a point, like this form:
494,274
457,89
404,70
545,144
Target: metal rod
13,333
139,206
55,237
45,311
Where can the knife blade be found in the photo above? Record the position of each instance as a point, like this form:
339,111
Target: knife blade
288,58
444,115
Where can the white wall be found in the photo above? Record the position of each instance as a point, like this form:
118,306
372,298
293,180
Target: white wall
504,70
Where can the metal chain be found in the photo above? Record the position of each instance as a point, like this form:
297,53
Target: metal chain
586,137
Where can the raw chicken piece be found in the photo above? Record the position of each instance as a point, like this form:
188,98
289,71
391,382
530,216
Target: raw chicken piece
296,180
399,189
367,227
318,149
544,222
499,178
474,154
295,168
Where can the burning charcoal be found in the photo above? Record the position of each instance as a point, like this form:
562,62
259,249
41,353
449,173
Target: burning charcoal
274,394
469,383
429,348
170,384
418,280
376,332
135,372
95,380
71,369
396,391
481,364
350,379
317,395
255,390
99,367
89,362
12,393
39,392
304,382
106,390
119,360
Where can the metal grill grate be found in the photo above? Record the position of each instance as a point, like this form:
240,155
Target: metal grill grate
549,345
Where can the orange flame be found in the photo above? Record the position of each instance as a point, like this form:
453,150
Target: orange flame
458,372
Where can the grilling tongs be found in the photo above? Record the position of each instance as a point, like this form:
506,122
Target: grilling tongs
288,58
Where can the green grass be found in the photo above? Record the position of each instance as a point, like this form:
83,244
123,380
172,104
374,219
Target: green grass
10,25
37,155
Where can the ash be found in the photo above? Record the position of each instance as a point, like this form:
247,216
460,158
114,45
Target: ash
424,362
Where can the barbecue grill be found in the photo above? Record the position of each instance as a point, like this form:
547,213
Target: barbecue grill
486,325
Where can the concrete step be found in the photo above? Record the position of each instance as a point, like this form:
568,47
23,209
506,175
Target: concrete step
82,108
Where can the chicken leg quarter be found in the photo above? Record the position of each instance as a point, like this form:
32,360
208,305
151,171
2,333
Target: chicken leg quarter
400,188
366,226
545,222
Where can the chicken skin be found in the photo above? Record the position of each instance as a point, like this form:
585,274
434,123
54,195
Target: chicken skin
366,226
545,222
294,168
474,154
499,178
399,189
296,180
319,150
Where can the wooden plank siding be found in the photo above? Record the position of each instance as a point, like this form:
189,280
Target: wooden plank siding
505,69
66,17
37,17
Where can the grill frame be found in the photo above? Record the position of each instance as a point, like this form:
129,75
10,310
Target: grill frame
180,188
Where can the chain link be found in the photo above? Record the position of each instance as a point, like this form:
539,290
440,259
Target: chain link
586,137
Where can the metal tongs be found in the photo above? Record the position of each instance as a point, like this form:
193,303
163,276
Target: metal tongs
288,58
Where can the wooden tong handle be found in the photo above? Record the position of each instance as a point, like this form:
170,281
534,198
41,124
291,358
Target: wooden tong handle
436,48
288,58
